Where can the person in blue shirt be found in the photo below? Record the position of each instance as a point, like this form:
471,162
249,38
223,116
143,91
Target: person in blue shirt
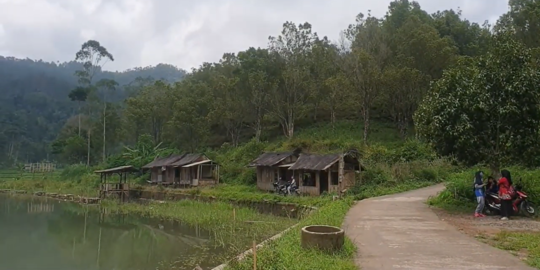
479,193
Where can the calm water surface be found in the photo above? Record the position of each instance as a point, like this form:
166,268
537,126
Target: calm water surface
41,234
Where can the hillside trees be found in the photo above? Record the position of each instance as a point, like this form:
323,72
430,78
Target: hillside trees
382,69
486,109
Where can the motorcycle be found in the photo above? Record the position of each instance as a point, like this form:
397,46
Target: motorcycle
520,204
280,189
293,190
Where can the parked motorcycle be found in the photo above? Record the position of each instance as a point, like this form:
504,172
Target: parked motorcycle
520,204
280,189
293,190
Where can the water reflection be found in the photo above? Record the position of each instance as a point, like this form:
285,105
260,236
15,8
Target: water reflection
37,233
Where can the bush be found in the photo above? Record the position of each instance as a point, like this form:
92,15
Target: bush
74,173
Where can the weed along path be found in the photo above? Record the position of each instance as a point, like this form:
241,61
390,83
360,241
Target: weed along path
401,232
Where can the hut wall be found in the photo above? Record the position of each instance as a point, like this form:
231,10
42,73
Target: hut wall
265,178
309,186
154,174
348,179
169,175
333,178
185,176
208,177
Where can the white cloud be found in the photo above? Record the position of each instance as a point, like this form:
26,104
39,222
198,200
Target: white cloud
180,32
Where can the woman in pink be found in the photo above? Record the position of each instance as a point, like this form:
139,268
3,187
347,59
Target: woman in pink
504,193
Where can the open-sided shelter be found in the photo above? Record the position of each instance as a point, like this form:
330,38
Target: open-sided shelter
109,186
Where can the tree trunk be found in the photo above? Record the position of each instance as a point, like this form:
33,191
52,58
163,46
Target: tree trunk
258,130
104,131
333,118
88,148
258,126
290,123
79,116
366,124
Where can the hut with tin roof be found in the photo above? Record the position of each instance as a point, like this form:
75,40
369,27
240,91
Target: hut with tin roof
273,166
316,174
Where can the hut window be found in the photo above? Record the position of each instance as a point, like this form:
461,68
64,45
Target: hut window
206,171
177,173
308,179
335,178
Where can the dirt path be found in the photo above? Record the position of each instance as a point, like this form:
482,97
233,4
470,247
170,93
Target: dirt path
401,232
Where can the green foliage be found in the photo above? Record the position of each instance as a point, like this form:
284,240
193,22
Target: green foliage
487,109
74,172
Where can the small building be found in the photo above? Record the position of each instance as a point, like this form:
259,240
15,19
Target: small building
196,170
273,166
119,188
183,170
160,172
316,174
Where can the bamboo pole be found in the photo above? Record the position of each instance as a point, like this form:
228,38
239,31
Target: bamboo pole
254,255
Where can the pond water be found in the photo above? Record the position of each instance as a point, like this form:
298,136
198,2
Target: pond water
44,234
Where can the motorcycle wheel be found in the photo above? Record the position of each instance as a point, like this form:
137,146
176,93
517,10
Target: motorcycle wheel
528,209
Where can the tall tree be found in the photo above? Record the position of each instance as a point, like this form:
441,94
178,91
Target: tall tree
93,56
105,85
486,109
364,63
522,21
293,47
79,94
258,74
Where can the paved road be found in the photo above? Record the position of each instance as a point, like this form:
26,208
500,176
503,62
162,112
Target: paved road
401,232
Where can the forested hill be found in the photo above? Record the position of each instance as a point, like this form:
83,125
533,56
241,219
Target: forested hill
34,102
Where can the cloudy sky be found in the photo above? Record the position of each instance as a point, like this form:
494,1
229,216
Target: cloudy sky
180,32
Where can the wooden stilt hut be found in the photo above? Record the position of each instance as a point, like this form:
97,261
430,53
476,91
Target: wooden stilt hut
111,188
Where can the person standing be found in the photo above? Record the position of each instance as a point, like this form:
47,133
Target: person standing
505,194
479,193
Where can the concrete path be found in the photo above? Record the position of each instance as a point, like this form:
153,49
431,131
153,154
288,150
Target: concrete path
401,232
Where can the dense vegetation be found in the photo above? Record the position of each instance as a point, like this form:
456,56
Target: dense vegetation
419,94
474,86
35,103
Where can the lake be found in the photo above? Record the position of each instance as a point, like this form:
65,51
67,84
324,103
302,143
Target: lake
45,234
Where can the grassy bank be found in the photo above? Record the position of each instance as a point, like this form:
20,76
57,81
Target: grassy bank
286,253
522,244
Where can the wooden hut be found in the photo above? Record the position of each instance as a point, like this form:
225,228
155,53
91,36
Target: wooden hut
273,166
316,174
111,187
195,170
184,170
160,170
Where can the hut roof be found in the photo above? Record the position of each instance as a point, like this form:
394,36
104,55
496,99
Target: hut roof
117,169
187,159
270,158
315,162
160,162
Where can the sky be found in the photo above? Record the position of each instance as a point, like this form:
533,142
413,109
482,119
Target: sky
180,32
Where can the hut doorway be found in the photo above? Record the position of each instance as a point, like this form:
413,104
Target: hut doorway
323,182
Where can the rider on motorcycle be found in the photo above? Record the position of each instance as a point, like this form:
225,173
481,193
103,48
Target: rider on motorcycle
291,184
